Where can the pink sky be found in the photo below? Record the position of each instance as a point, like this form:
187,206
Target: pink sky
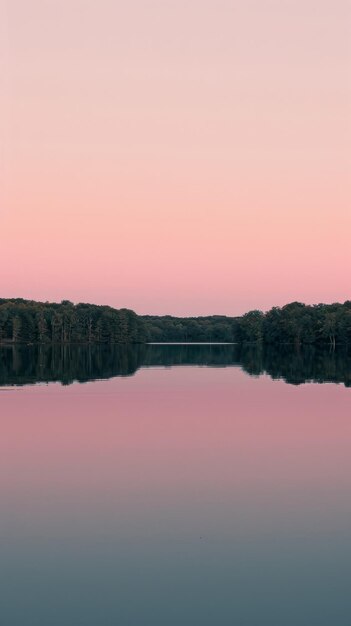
175,157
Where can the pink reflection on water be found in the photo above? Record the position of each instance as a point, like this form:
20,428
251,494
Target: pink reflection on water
189,446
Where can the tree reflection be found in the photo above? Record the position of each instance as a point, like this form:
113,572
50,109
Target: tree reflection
22,365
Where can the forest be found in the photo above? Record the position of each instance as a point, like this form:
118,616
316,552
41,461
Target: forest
26,321
294,323
30,322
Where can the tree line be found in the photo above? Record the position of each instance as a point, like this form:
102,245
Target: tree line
212,328
26,321
294,323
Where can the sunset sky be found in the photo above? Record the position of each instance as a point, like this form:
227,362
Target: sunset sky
183,157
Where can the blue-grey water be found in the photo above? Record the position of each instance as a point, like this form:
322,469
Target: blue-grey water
174,486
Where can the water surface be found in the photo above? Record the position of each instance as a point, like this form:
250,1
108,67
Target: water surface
179,491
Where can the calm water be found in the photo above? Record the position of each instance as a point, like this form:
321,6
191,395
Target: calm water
171,494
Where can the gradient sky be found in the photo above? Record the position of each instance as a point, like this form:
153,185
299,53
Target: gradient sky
175,157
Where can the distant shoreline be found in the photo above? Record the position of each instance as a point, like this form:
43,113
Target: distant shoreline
30,322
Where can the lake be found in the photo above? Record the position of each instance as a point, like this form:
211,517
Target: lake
175,486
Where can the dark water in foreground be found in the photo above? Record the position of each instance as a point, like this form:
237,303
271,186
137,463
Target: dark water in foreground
177,496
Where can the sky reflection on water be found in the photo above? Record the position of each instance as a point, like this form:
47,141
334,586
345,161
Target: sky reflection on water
181,495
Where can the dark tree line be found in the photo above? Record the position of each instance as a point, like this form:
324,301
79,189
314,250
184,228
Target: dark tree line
180,329
294,323
298,323
26,321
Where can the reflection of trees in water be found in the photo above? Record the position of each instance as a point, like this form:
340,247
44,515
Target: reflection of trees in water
66,363
187,354
297,366
20,365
